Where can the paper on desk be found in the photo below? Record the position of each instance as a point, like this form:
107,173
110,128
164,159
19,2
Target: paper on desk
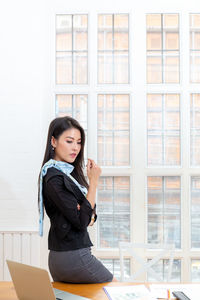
192,291
129,292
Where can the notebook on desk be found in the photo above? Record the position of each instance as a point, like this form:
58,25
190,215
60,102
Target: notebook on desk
34,284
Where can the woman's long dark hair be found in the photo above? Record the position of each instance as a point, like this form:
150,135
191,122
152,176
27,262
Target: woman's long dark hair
56,128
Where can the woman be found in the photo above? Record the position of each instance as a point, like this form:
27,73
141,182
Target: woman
70,204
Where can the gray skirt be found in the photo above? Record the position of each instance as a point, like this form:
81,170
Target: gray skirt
77,266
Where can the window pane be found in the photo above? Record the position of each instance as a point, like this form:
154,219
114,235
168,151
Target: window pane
80,67
74,106
195,212
195,20
195,66
113,266
155,142
105,35
154,120
113,130
195,41
122,111
64,41
154,21
120,41
171,67
195,270
121,67
64,68
105,67
71,49
105,40
154,68
163,129
170,21
195,48
195,129
63,32
113,208
113,48
162,267
121,21
63,105
172,148
121,148
164,210
171,41
162,48
80,35
154,40
105,148
105,21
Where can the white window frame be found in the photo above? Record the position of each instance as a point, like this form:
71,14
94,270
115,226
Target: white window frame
137,89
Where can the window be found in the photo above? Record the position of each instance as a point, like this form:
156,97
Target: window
195,48
162,48
163,113
142,121
71,49
113,48
195,270
195,212
163,129
195,129
161,268
164,210
74,106
113,130
114,267
113,208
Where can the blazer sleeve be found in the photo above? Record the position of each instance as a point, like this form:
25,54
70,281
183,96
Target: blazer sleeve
66,202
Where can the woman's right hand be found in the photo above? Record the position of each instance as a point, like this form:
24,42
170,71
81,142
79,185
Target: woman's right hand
93,171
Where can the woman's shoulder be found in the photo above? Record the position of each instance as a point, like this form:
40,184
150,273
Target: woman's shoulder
52,172
57,178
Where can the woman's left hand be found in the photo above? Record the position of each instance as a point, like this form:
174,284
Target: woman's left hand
78,207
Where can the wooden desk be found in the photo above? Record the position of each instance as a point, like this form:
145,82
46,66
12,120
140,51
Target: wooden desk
7,291
92,291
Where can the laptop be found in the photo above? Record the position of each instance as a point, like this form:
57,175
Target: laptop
33,283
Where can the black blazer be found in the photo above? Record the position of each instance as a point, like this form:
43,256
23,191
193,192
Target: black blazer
68,230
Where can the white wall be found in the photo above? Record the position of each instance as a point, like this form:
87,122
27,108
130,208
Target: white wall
23,91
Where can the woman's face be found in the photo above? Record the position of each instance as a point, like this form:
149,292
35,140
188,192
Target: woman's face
67,146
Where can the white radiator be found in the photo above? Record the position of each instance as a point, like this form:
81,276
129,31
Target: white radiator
22,247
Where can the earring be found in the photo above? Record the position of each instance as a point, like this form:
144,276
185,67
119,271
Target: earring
53,148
